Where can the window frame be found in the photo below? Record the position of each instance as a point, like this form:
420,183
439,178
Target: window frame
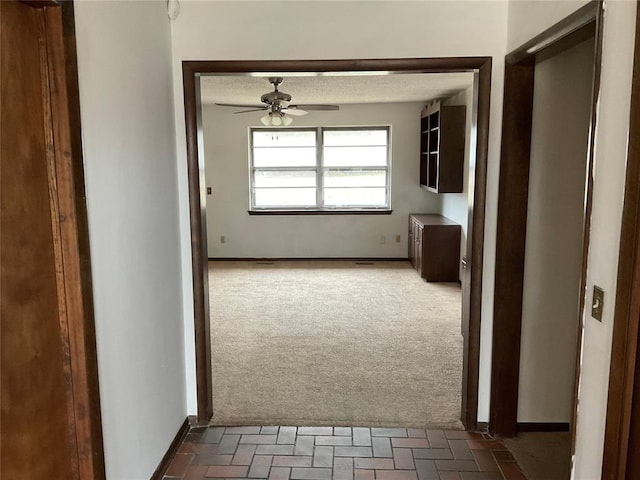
319,168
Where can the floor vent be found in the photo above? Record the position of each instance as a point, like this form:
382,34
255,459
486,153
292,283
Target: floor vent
364,263
264,263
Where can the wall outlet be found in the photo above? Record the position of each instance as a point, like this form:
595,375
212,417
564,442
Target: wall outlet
383,240
398,238
223,239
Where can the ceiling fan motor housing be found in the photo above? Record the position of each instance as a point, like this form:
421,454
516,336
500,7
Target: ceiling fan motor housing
275,97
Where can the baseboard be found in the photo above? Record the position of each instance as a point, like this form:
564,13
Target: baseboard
268,259
171,451
543,427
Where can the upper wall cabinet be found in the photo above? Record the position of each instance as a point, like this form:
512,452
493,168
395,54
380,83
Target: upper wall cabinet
442,130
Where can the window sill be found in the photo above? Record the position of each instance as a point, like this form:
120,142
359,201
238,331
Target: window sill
322,212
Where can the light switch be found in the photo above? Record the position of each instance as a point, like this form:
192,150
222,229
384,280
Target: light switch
208,190
597,303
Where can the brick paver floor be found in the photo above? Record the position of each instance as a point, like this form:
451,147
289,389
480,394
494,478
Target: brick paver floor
341,453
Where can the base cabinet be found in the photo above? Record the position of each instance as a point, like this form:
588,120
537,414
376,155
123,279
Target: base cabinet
434,247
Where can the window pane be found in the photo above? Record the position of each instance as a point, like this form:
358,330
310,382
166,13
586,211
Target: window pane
355,156
285,197
355,197
284,138
355,178
271,178
355,137
284,157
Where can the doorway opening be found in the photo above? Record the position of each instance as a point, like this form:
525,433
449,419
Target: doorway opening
479,67
317,336
544,209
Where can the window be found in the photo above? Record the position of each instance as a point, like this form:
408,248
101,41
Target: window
320,169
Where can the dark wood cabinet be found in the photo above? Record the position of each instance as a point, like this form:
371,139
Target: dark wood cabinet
442,135
434,247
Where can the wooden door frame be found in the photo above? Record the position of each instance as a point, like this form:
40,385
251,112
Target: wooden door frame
622,429
71,234
513,197
197,195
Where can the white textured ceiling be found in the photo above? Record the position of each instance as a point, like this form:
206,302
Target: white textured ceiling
413,87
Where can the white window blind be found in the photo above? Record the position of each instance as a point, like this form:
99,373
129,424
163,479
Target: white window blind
320,168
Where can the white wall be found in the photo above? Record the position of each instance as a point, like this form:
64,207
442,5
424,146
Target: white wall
553,256
527,19
284,236
236,30
611,154
456,205
124,53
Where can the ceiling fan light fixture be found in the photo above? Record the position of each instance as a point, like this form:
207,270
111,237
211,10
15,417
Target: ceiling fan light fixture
276,120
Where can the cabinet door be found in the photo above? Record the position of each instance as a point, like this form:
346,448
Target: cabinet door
418,248
441,253
410,243
424,149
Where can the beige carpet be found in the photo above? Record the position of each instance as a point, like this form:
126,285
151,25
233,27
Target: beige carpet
334,343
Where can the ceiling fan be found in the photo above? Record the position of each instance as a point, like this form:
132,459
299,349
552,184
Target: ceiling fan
278,106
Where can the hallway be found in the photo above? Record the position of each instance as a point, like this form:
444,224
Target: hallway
341,453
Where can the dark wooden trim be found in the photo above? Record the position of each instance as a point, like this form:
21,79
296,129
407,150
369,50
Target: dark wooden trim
481,65
72,231
510,246
302,259
197,210
320,212
172,450
513,203
622,427
56,138
543,427
574,38
471,354
41,3
395,65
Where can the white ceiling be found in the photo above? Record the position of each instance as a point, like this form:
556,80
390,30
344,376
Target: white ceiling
350,89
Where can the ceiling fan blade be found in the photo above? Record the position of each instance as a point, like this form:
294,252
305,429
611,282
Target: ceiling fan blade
316,107
235,105
294,112
253,110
